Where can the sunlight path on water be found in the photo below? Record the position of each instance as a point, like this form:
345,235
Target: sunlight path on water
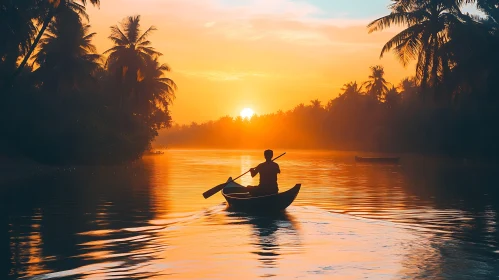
245,166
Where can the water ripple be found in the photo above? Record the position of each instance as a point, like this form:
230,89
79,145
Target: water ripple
417,220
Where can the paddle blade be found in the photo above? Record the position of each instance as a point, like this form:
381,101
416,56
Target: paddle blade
213,190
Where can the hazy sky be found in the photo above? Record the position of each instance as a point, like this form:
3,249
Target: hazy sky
264,54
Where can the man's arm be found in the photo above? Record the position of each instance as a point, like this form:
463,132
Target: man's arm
254,171
278,169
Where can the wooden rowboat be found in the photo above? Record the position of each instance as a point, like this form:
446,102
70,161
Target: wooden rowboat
378,159
239,199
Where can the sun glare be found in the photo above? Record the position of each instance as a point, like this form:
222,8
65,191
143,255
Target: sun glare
247,113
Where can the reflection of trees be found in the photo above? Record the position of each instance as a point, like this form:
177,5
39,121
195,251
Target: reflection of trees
69,218
457,217
437,256
470,188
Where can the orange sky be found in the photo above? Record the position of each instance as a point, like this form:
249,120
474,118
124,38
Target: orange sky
263,54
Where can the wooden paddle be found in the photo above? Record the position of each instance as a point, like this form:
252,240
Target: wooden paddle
218,188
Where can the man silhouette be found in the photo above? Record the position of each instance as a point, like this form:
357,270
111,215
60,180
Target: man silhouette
268,171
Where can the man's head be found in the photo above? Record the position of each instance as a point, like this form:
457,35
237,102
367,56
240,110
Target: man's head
268,154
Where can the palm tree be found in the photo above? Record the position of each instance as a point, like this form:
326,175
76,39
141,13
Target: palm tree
299,108
155,92
407,84
131,48
50,9
130,54
316,104
351,91
472,51
377,85
16,30
392,98
349,97
67,56
427,23
408,89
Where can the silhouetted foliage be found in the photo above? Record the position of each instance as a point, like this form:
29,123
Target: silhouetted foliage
455,53
377,86
352,121
66,108
67,59
19,26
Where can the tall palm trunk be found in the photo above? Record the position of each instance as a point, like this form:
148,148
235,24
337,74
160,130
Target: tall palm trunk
46,22
52,10
434,63
424,79
434,73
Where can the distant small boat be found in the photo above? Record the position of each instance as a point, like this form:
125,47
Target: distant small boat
240,200
378,159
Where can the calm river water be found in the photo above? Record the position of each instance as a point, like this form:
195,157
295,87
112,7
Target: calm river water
422,219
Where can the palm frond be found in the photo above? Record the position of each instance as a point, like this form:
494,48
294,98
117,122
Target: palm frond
405,41
146,34
145,43
78,8
164,67
114,49
94,2
131,26
149,51
118,36
398,18
169,82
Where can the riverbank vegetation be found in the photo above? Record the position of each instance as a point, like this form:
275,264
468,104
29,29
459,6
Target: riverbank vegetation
62,102
450,105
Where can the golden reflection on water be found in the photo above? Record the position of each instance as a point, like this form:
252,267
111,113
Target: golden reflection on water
245,166
350,221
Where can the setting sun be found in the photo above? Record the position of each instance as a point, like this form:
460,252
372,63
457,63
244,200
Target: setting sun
247,113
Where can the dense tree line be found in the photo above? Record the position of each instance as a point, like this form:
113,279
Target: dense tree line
63,103
450,106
